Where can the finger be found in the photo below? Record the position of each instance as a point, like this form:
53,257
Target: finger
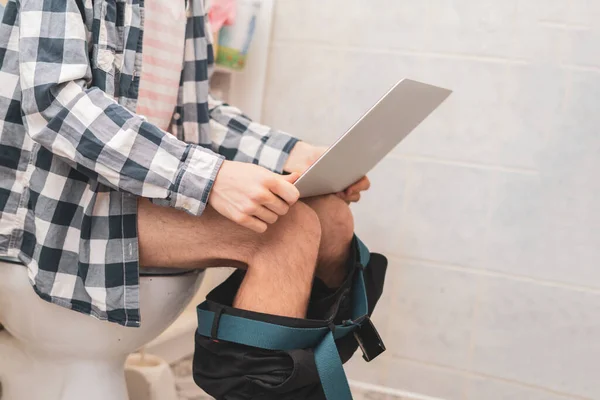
351,189
291,178
249,222
361,185
353,198
285,190
266,215
264,197
342,195
276,205
365,183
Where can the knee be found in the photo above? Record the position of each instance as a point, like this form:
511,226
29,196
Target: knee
295,236
336,219
303,221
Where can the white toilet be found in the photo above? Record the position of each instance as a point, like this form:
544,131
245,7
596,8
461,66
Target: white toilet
48,352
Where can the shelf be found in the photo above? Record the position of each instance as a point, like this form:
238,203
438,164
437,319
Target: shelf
225,70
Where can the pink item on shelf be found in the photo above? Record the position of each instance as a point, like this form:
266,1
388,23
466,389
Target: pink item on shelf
221,12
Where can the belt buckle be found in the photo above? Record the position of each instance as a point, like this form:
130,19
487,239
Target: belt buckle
368,338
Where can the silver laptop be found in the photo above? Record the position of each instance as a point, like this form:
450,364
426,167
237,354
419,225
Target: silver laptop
378,131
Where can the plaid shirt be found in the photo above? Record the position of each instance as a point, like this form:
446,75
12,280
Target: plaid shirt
74,156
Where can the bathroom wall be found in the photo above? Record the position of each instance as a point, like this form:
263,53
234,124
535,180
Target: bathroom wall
489,212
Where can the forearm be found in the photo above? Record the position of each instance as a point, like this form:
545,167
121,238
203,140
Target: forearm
90,130
238,138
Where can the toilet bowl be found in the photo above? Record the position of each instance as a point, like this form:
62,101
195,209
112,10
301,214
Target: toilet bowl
48,352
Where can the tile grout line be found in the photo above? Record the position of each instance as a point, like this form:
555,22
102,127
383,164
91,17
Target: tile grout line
482,256
581,68
402,394
472,374
563,25
279,43
409,179
481,283
466,164
496,60
409,183
497,274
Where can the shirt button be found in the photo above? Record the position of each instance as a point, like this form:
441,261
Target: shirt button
176,116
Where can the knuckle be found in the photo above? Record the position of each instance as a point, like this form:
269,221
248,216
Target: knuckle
260,196
268,178
295,194
249,208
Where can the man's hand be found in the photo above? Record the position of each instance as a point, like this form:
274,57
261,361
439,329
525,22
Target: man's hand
303,155
252,196
352,194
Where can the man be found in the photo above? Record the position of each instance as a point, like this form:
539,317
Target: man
84,179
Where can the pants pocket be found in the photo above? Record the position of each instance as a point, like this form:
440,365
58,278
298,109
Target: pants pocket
231,371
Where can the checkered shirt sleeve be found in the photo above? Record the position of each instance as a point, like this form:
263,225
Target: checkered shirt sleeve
90,130
238,138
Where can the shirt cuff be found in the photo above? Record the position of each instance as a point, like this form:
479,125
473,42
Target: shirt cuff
275,150
195,179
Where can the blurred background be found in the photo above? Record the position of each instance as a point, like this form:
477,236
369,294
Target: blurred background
489,211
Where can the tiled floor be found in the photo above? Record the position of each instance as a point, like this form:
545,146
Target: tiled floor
188,390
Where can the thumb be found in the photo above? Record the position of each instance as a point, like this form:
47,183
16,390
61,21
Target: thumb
291,178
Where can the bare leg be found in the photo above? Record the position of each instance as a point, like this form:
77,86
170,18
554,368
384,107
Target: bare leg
280,262
337,227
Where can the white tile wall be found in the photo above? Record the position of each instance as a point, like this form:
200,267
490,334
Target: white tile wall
375,213
380,24
584,12
446,213
490,389
579,42
295,99
473,125
516,228
545,231
489,210
540,335
541,42
427,380
549,10
310,20
432,314
365,77
479,28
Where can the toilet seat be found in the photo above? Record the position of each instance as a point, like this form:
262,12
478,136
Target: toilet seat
71,356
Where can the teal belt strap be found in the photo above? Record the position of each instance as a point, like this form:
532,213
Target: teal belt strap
269,336
331,371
